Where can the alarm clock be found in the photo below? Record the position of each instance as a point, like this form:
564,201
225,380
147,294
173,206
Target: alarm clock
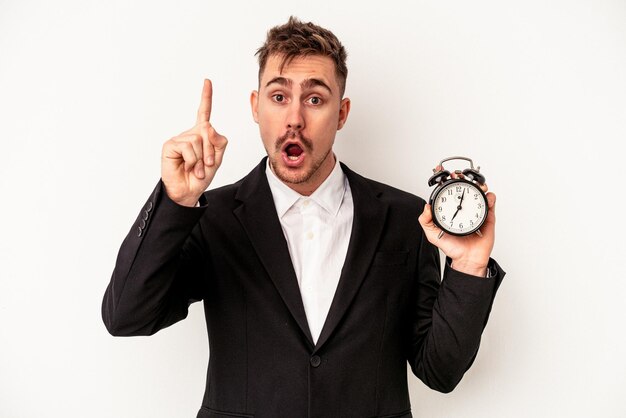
459,205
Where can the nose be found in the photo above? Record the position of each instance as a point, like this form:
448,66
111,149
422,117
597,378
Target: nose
295,117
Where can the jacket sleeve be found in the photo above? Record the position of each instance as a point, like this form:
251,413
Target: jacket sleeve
448,318
159,268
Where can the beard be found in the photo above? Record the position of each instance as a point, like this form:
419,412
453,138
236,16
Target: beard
287,175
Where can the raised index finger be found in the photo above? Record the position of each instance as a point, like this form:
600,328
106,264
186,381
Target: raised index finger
204,111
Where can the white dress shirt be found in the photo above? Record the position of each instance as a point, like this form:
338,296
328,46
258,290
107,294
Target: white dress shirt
317,229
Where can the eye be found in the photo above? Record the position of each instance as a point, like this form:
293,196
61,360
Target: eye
279,98
315,101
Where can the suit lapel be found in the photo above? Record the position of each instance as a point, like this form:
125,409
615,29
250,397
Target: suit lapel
258,217
369,218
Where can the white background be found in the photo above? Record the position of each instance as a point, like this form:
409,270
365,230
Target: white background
533,90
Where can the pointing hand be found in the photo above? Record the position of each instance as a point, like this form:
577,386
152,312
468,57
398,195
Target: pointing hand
190,160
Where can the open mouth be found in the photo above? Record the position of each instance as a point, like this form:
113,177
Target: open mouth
293,155
293,151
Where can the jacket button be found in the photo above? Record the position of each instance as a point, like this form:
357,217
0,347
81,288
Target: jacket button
145,215
149,206
139,232
142,224
316,361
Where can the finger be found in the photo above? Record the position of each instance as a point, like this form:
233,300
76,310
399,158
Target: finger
175,150
484,187
208,152
204,111
198,169
213,144
192,161
426,218
491,216
195,140
456,175
219,145
181,147
491,200
431,230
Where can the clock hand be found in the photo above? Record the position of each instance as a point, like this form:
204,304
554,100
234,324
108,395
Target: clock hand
457,211
458,208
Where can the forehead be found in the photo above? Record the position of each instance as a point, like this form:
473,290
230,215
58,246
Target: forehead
300,68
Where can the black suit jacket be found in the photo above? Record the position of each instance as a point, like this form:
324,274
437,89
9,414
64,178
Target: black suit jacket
390,306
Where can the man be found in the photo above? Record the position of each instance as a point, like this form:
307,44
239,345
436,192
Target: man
318,284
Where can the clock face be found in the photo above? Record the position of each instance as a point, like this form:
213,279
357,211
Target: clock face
459,207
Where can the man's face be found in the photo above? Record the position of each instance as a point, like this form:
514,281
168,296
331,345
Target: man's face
299,111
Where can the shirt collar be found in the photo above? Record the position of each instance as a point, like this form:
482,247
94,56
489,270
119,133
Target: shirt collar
328,195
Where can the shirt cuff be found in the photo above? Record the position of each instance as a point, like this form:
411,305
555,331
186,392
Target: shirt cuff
490,273
491,270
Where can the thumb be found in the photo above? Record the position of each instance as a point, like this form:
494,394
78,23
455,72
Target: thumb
426,218
430,229
219,144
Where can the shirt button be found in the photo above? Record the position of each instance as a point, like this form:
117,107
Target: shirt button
306,202
316,361
309,235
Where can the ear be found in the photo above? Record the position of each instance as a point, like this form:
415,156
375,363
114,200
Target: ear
254,105
344,109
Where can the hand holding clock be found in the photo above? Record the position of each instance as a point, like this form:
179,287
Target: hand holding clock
470,253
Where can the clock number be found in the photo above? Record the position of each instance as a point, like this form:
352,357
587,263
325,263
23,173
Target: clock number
477,216
443,218
459,189
443,200
449,192
475,196
461,225
440,209
480,206
471,223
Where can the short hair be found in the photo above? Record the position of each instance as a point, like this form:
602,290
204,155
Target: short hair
298,39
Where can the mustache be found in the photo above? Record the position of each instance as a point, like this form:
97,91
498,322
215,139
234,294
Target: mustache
306,142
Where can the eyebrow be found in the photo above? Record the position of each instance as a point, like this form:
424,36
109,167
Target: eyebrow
305,84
